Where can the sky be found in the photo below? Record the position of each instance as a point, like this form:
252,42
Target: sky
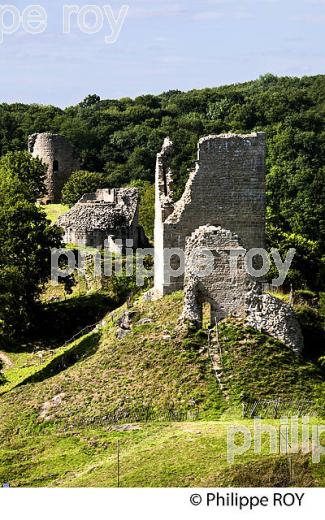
162,45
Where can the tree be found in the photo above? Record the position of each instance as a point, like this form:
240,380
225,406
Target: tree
26,239
308,266
82,182
21,174
89,101
147,206
121,137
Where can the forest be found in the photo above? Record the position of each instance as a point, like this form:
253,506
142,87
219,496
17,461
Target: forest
118,140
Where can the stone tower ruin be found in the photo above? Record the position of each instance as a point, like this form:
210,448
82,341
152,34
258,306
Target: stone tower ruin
60,157
221,212
226,189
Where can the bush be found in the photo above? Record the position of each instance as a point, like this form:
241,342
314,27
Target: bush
313,328
82,182
306,297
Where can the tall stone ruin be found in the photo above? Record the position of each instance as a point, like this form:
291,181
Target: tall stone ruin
60,158
222,212
226,188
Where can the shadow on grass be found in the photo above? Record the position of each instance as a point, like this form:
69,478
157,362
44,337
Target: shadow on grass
270,472
58,322
83,349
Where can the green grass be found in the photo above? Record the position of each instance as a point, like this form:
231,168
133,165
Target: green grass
259,366
54,429
155,365
28,367
54,211
144,367
151,455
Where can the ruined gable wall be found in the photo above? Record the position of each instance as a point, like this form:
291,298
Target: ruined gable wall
226,189
163,208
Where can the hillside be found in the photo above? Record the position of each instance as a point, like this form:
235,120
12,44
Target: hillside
59,428
150,365
155,365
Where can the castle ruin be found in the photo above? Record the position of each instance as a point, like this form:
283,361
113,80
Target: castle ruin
104,215
226,188
229,290
222,287
61,160
222,211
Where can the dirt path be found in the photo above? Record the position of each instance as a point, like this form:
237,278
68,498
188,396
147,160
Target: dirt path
6,360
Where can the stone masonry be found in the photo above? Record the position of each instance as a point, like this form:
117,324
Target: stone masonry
104,215
60,158
222,211
230,290
223,288
271,315
226,188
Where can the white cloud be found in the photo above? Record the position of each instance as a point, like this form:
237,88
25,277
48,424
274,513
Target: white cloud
308,18
166,11
207,15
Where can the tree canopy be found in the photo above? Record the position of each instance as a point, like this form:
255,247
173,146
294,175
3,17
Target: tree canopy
120,139
26,238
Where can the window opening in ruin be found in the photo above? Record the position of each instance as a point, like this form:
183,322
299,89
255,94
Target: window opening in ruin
55,166
165,184
175,262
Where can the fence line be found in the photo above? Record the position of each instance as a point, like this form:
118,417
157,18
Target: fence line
141,414
82,332
275,408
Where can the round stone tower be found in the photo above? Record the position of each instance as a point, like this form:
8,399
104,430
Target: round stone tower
61,160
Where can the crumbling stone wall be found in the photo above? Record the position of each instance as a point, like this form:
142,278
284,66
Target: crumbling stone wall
221,286
227,189
271,315
61,160
104,215
230,290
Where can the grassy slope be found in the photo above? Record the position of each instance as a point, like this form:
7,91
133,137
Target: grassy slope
258,366
145,366
151,364
31,367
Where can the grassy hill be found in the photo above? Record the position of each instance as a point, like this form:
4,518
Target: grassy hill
150,365
56,426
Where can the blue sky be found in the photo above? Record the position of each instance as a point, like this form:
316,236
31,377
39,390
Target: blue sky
162,45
